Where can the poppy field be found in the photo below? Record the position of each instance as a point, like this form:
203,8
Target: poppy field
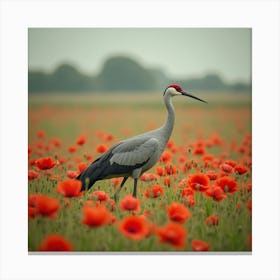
198,197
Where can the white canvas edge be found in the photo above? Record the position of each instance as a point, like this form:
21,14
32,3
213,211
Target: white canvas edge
261,16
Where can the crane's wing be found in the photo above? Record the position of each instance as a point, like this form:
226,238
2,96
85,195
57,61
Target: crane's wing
120,160
134,152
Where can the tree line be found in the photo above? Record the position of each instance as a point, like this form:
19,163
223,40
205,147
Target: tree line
123,74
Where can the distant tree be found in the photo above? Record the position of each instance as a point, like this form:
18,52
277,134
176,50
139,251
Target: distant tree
68,79
124,74
241,87
37,81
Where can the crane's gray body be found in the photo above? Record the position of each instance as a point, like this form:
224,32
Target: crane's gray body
133,156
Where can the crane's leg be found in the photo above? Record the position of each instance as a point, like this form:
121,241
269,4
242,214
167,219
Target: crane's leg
135,175
116,195
135,187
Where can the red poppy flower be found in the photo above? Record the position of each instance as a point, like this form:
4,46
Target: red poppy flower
165,157
182,159
32,162
198,150
249,205
100,134
170,169
200,245
56,142
96,216
216,193
240,169
32,211
100,195
146,177
227,184
101,148
178,212
160,171
32,199
70,188
113,219
183,183
212,175
174,149
40,145
189,200
81,140
242,149
170,144
91,203
41,134
154,191
212,220
216,139
130,203
72,174
45,163
167,181
134,227
61,160
46,206
116,181
82,166
55,242
32,174
230,162
208,157
89,157
249,186
173,233
187,191
226,168
109,137
110,204
199,182
72,149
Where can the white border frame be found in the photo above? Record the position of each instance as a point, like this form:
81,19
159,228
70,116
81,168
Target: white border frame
262,16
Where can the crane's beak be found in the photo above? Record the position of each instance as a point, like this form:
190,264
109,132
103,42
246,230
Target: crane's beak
185,93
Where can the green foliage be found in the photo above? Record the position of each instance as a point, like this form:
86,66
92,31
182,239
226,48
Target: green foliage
120,73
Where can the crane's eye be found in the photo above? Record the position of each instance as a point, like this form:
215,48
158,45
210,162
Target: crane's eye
178,89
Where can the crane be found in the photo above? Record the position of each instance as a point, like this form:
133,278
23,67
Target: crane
135,155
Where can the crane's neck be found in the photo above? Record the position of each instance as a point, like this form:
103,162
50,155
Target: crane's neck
169,124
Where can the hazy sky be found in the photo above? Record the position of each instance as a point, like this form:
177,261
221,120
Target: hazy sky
180,52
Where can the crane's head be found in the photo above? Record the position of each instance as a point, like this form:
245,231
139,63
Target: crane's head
175,89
